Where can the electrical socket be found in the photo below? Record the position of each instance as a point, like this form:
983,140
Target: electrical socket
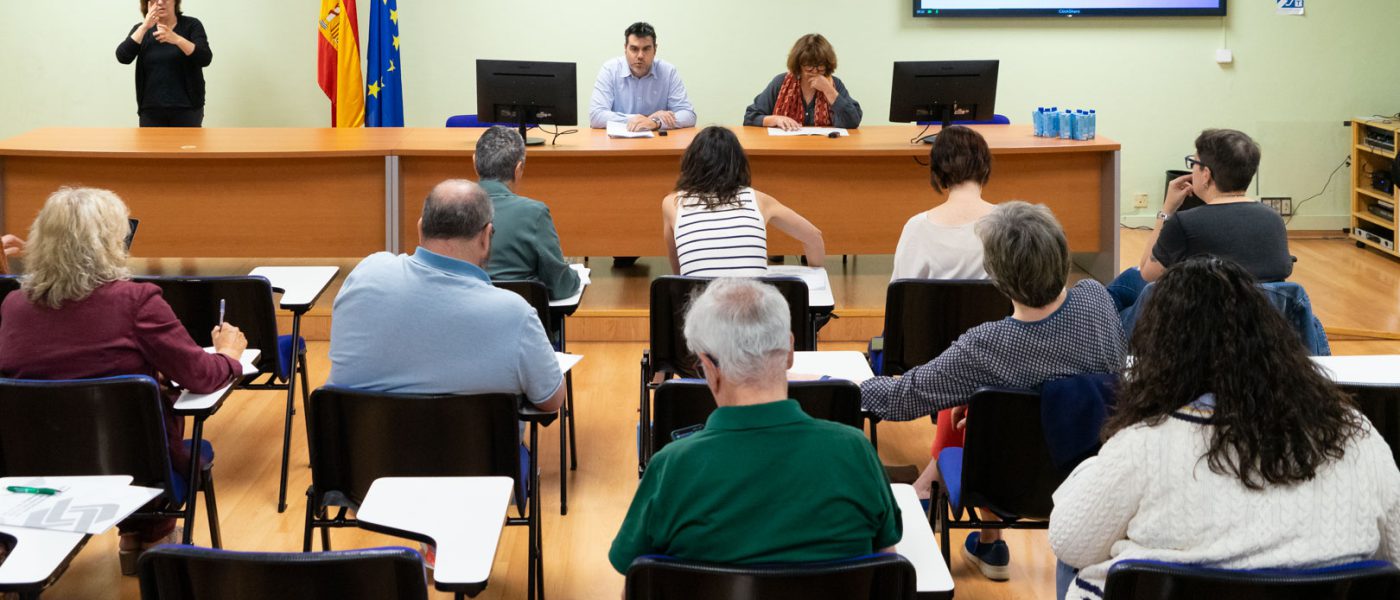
1139,200
1283,205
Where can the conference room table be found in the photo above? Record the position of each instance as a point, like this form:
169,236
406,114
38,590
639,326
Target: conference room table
350,192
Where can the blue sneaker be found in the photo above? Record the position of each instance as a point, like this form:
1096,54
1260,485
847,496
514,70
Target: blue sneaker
992,559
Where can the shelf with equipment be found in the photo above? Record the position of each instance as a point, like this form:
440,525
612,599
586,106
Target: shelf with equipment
1374,193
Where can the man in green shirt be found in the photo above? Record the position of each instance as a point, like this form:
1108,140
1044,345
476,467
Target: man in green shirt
525,246
763,482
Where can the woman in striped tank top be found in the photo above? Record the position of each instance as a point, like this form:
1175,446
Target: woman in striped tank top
715,225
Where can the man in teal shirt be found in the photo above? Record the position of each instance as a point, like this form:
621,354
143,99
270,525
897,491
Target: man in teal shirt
526,246
763,482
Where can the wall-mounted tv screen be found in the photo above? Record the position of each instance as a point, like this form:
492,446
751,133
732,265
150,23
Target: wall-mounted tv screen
1068,8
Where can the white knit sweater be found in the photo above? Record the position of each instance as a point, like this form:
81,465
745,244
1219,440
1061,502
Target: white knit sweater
1150,494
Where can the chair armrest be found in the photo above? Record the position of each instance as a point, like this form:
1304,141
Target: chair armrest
203,405
529,414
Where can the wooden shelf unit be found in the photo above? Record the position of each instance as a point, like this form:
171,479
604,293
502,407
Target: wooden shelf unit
1366,160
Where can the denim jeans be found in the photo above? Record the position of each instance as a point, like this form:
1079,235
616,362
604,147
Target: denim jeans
1064,577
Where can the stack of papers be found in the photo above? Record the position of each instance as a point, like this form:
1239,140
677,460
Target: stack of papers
618,129
816,278
821,131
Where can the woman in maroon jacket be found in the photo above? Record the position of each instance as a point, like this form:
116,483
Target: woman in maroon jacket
78,316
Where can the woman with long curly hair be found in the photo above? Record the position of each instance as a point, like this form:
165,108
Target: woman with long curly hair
1229,447
715,224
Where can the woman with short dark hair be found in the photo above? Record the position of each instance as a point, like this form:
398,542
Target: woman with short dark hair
171,51
715,224
940,243
1229,448
808,94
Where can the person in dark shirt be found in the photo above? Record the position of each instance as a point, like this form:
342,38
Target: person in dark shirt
171,51
807,95
1230,225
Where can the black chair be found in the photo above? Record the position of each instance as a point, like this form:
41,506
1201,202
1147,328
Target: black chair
357,437
188,573
681,404
877,576
537,295
108,426
1152,580
248,305
8,283
1004,465
667,356
925,316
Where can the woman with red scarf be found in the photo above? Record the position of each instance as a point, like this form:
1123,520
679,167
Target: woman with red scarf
807,95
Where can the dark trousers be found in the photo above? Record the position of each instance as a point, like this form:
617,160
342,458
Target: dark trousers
172,117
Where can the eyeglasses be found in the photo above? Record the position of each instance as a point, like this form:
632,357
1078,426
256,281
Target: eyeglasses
1192,161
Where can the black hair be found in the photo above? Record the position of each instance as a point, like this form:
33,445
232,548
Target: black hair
1231,156
714,168
640,29
1208,329
958,154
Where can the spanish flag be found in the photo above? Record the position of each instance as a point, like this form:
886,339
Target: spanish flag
338,63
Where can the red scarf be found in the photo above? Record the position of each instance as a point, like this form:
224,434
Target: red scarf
790,104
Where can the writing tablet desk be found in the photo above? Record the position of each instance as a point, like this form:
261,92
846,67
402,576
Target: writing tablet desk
337,193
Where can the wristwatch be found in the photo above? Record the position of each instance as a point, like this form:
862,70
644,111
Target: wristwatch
657,121
1162,214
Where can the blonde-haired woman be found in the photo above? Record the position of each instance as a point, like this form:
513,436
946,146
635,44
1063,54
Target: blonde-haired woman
78,316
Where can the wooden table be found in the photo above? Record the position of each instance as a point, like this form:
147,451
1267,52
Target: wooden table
336,193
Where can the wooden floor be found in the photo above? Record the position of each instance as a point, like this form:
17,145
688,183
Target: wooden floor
1349,287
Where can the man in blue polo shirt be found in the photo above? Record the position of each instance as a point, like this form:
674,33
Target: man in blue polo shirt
763,482
431,322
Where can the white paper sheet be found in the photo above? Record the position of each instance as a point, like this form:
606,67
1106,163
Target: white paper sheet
820,131
89,505
567,361
618,129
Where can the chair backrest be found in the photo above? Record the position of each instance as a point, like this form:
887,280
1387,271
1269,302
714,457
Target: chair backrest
670,296
682,403
466,121
533,292
356,437
1144,580
248,305
108,426
925,316
1006,464
1382,406
190,573
878,576
8,283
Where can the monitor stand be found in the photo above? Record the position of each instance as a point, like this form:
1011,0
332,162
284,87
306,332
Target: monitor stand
944,123
529,141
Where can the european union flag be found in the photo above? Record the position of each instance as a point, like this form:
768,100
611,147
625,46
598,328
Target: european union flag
384,73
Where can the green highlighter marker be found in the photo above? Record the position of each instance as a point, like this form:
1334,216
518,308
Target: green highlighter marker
19,489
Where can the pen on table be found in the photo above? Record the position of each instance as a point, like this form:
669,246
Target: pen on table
19,489
221,312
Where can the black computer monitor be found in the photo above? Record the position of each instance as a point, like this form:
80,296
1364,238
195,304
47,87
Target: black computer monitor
526,93
943,91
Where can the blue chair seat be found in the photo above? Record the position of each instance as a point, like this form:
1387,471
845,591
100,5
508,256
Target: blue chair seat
179,482
284,355
950,463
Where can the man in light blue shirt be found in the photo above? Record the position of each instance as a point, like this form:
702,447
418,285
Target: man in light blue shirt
640,90
432,322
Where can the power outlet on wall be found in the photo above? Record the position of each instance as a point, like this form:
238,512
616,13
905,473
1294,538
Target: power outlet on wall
1139,200
1283,205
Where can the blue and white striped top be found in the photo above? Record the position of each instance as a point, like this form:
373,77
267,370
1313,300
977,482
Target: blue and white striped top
730,241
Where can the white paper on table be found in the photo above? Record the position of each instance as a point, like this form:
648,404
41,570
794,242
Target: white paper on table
89,505
618,129
567,361
816,278
249,357
821,131
584,273
583,282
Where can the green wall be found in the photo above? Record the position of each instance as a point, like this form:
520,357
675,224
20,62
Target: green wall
1154,81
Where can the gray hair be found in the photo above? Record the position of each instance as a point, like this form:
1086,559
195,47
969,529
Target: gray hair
456,208
497,152
1026,253
744,326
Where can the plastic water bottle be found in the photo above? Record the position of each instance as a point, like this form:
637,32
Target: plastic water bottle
1036,124
1052,122
1093,124
1081,125
1066,122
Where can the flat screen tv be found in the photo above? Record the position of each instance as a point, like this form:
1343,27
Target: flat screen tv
1068,8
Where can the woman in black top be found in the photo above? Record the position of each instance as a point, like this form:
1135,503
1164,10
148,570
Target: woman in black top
171,51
